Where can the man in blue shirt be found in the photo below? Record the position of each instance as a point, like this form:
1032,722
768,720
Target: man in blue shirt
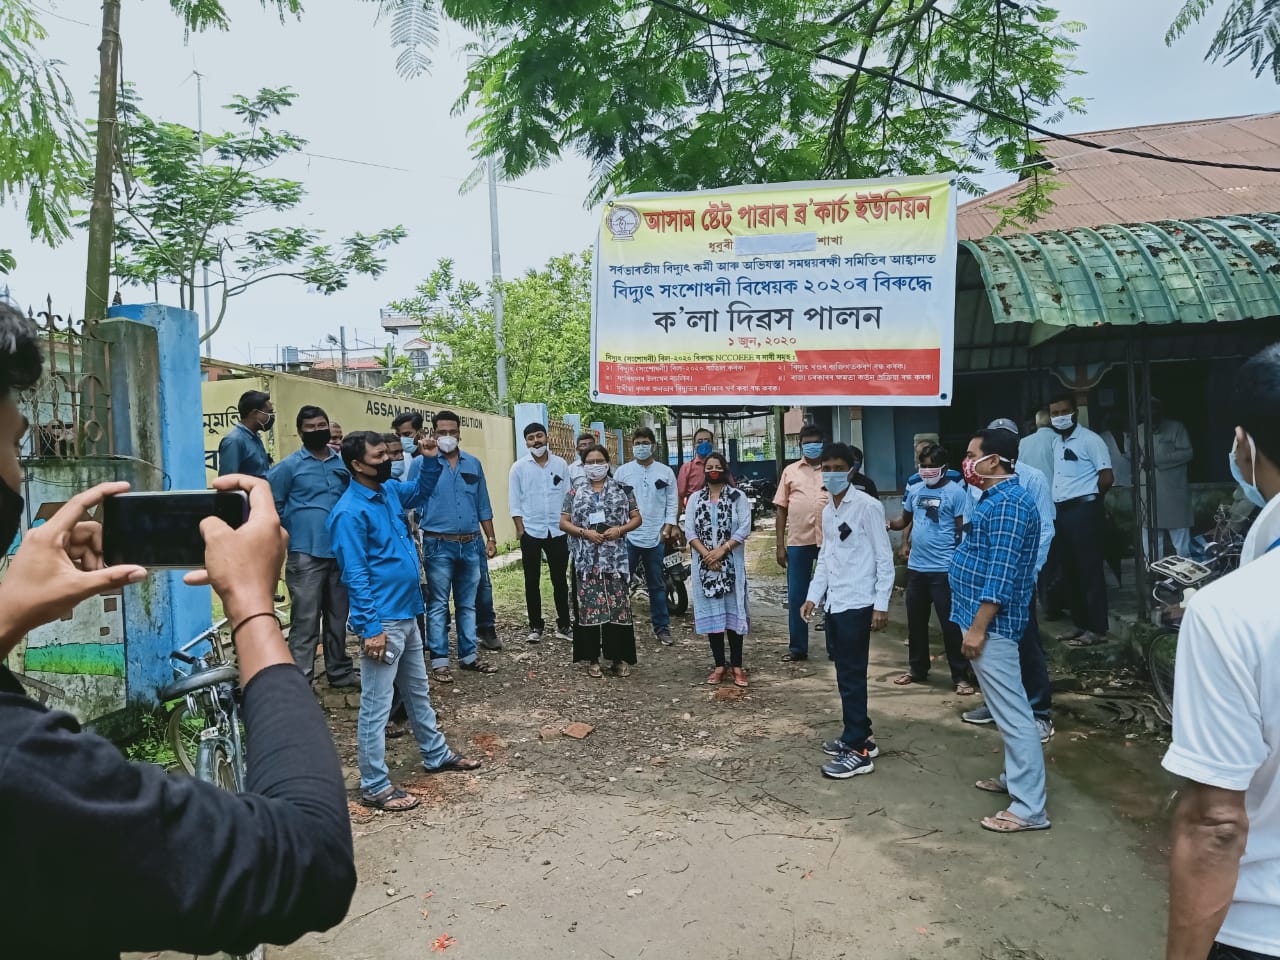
536,487
452,550
935,511
992,583
306,486
654,486
242,450
1035,667
1082,475
380,568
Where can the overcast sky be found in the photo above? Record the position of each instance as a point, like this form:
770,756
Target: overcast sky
353,106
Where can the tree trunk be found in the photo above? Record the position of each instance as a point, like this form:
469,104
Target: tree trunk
101,213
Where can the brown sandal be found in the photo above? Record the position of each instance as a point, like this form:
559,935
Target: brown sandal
991,786
716,676
442,675
1006,822
739,677
906,680
965,689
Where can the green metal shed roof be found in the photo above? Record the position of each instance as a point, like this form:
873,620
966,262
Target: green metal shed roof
1206,270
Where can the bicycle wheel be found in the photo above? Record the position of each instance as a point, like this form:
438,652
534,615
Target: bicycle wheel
184,736
1160,661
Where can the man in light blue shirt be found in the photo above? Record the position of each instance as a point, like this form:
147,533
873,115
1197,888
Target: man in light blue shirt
453,552
935,509
654,486
242,450
535,492
1036,449
1081,477
1031,654
306,486
380,568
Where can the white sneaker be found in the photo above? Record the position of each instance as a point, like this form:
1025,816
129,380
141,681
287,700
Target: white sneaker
1046,729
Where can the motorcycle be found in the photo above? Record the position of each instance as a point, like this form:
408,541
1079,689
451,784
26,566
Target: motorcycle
675,571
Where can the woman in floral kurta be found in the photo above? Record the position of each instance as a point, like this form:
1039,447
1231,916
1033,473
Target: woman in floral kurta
717,522
597,515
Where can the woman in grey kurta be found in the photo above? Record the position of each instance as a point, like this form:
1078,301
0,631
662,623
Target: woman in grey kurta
717,523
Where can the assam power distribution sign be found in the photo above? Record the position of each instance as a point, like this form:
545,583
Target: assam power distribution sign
796,293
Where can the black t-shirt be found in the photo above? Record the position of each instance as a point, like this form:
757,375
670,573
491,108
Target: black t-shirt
102,856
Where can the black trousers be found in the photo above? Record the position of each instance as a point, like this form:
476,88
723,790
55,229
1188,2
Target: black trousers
1078,538
1035,668
1221,951
556,550
928,593
735,648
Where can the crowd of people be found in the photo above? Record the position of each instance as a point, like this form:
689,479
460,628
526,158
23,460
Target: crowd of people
382,550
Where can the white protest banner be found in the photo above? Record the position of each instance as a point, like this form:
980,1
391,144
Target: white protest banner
797,293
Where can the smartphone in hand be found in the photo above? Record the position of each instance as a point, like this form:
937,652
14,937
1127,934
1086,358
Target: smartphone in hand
162,529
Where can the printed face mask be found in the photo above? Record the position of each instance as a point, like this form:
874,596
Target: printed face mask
597,471
715,476
931,475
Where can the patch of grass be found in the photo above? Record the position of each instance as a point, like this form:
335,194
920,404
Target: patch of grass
151,745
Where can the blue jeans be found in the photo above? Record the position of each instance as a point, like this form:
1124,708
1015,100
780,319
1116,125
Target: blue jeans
453,566
800,561
849,639
1000,673
654,577
404,670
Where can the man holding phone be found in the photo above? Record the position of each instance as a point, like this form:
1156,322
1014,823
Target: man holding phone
242,450
380,568
273,863
306,486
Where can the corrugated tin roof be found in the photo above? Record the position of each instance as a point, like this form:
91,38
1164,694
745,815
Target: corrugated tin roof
1102,187
1206,270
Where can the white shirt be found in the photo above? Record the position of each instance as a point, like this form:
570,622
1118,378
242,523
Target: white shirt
1037,451
536,492
1077,459
655,490
854,570
577,473
1037,485
1226,730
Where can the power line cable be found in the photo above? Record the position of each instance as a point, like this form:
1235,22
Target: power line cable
885,75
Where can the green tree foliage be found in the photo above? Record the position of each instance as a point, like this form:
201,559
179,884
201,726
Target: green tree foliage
1249,27
658,100
43,147
415,29
176,214
547,328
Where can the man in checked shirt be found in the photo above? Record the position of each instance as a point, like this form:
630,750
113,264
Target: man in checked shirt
992,576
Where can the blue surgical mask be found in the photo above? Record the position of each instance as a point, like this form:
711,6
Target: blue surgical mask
812,451
642,451
410,446
704,449
398,467
1251,491
836,482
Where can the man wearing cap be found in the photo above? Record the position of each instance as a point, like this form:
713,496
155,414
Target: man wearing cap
1031,655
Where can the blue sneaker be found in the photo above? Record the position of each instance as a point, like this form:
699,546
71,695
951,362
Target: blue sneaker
835,748
848,765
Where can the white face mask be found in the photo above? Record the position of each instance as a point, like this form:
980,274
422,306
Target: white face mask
447,444
539,451
597,471
1062,422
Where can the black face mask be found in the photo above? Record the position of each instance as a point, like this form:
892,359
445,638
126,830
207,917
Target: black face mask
11,505
384,471
316,439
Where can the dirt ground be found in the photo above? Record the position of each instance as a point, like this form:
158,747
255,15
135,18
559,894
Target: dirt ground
694,822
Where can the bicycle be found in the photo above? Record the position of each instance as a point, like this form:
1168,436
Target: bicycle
204,728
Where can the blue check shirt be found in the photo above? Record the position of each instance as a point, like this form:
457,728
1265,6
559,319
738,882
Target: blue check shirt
306,489
996,560
377,557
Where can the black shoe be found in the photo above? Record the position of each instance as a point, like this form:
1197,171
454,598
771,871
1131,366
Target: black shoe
349,683
488,637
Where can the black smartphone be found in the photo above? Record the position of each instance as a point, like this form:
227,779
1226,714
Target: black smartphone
162,529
